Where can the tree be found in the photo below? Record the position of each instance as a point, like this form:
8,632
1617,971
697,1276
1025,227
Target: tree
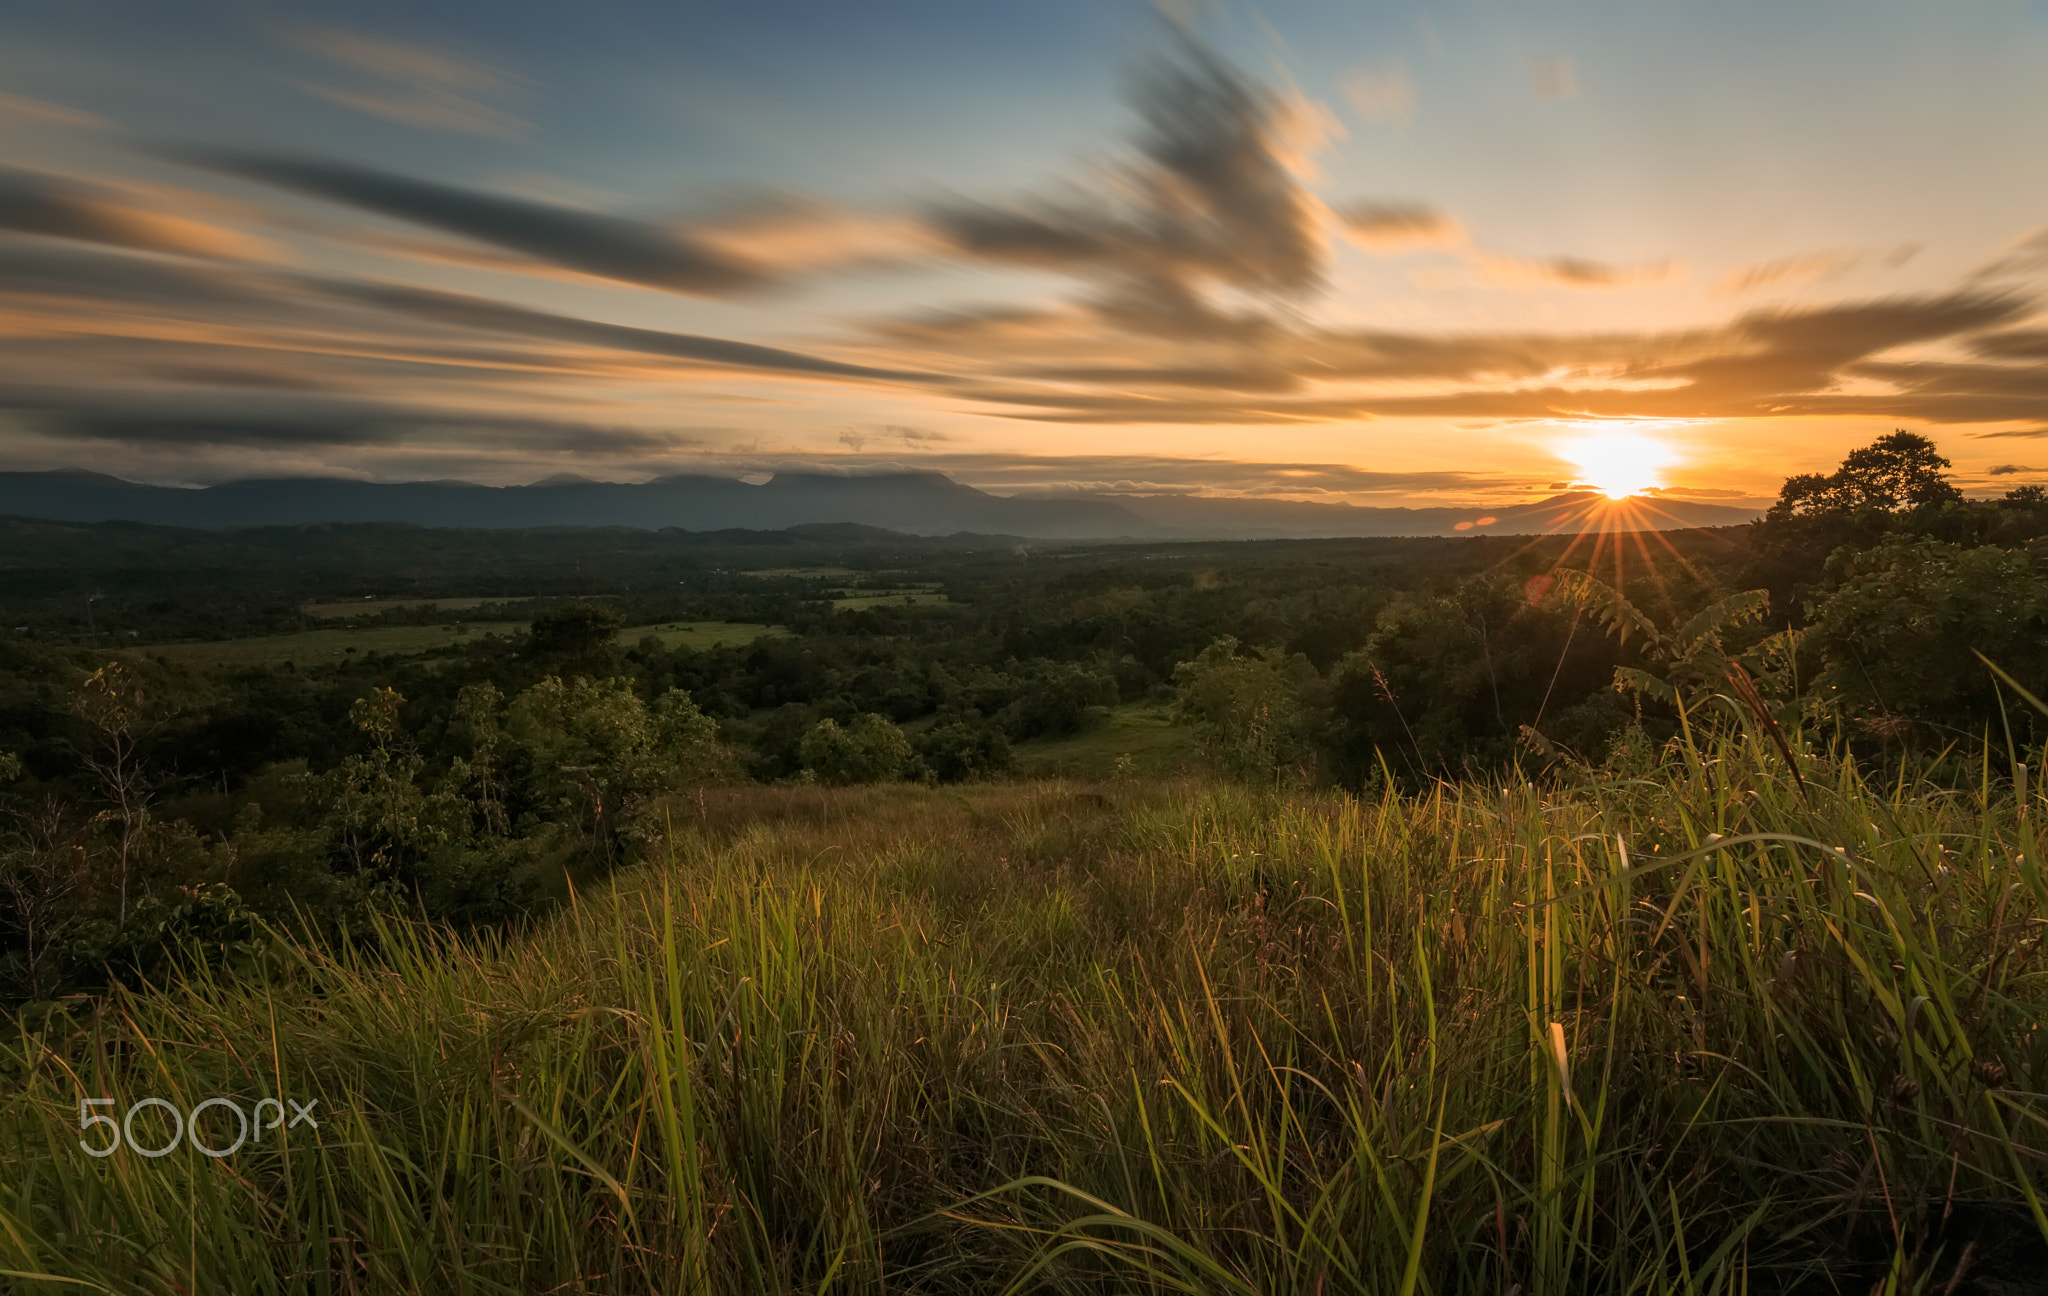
579,635
1896,635
382,818
119,716
965,748
599,752
476,718
869,750
1901,470
42,876
1449,679
1255,709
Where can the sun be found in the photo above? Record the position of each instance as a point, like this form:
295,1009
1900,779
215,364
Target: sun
1618,464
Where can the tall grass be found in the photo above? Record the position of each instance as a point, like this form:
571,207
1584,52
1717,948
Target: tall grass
1704,1031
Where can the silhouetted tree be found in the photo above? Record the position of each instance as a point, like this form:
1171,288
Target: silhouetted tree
1897,471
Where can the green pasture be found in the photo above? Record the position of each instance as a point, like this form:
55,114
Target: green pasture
316,647
857,599
371,607
1143,731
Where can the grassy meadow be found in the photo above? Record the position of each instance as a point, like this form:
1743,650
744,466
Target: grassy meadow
1714,1028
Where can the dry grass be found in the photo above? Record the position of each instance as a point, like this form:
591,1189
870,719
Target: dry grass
1143,1037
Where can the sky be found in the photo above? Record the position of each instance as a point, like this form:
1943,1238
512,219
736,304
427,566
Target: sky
1386,254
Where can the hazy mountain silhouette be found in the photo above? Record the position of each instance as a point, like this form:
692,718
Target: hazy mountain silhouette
916,503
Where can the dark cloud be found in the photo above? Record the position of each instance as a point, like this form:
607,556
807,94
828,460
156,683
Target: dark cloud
484,313
2017,344
1397,225
2007,470
31,268
270,422
111,300
1212,198
593,243
37,202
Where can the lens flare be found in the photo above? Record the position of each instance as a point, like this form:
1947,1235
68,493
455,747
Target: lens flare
1618,464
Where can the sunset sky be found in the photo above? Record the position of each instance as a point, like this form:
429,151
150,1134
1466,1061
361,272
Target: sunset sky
1389,254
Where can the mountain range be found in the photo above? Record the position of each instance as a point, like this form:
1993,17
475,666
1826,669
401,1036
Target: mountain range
912,502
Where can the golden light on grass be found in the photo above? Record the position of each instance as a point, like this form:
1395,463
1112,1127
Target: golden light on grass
1618,464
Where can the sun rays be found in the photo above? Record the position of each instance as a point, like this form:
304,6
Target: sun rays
1618,464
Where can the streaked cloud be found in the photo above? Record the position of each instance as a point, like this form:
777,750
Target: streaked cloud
1385,226
2025,255
499,317
592,243
1212,199
24,108
1811,267
411,84
55,206
1571,272
1382,95
1143,474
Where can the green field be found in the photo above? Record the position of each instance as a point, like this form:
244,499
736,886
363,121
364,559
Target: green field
1143,731
700,634
853,600
371,607
314,647
802,573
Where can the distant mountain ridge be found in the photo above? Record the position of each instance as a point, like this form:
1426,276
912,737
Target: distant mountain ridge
911,502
